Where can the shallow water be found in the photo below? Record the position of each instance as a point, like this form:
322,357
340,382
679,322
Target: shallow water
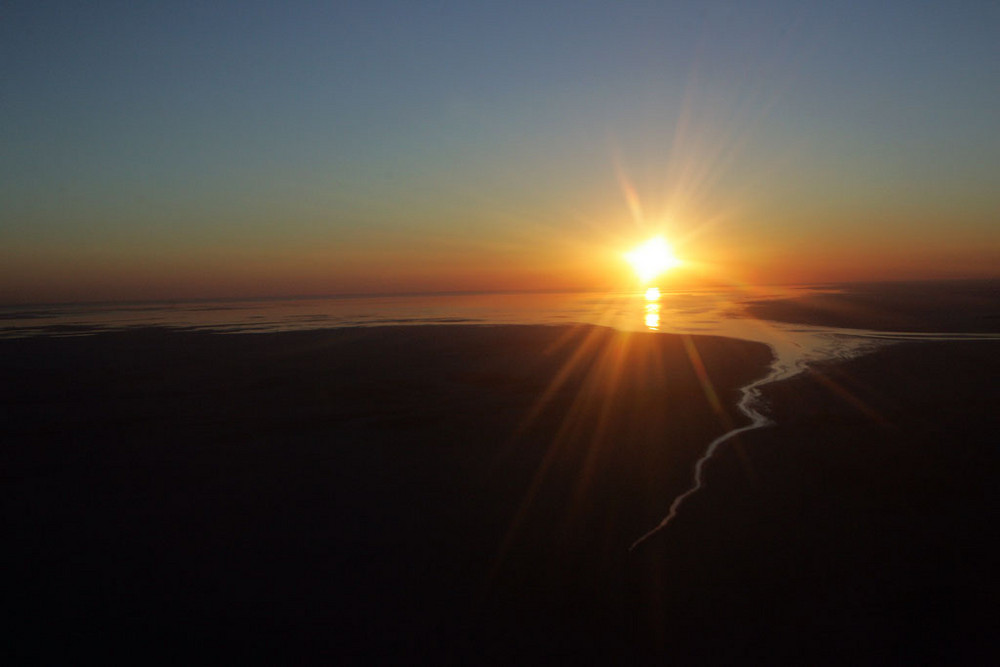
700,312
687,311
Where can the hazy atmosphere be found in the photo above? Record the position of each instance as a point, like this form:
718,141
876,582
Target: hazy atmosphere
176,150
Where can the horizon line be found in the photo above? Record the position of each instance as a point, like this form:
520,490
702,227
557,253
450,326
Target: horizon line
433,293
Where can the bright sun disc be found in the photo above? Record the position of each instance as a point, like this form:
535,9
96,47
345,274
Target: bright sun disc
652,258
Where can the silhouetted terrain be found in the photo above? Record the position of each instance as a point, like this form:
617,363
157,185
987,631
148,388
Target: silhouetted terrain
405,494
436,494
938,306
861,529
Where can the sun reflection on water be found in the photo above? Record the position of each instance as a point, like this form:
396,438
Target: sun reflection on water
653,308
653,316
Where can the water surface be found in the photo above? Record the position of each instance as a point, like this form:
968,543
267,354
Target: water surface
716,312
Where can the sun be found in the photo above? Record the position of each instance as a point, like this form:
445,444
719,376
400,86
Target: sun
652,258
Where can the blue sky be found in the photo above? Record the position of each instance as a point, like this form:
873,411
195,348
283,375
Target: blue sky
180,149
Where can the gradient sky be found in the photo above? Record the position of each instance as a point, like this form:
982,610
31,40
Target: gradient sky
201,149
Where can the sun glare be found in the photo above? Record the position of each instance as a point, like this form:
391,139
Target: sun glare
652,258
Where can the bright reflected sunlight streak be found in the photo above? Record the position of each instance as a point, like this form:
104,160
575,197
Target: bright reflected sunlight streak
653,308
653,316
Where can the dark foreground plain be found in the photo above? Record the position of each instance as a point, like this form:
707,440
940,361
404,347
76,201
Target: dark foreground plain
468,494
410,495
862,528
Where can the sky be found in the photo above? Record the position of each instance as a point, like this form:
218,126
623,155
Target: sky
168,150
